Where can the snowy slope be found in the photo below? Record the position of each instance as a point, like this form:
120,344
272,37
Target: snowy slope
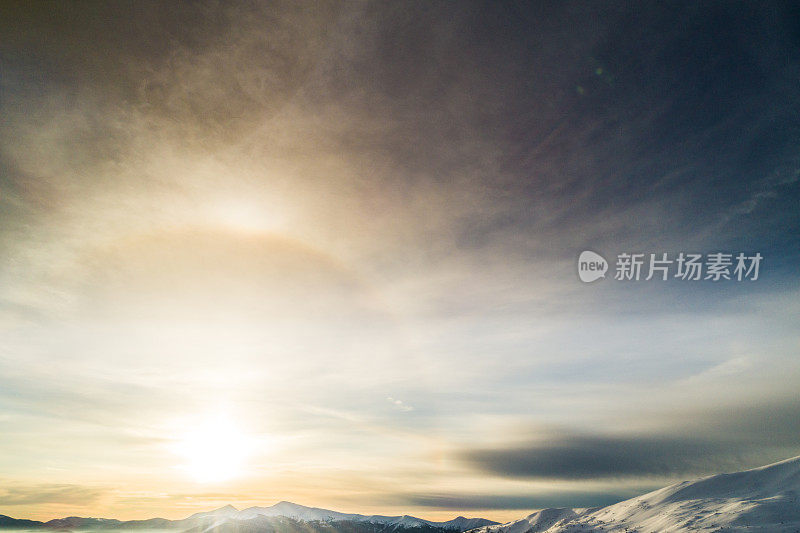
765,499
543,520
462,523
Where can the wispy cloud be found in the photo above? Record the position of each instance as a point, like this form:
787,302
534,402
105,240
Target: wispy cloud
399,404
50,493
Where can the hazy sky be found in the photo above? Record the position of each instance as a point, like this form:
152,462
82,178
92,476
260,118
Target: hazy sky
326,252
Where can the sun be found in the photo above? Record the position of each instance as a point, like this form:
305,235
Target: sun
245,216
214,449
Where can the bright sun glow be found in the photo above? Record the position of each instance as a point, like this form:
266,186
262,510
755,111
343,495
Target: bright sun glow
245,216
214,450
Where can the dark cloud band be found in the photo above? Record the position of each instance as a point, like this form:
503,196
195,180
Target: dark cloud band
588,457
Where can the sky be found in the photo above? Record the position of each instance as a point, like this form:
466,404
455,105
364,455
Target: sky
327,252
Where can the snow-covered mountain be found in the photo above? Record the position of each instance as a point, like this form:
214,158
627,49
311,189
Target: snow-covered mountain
283,517
297,512
310,514
765,499
229,511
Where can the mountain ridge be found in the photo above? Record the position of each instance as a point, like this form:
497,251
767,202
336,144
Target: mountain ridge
218,518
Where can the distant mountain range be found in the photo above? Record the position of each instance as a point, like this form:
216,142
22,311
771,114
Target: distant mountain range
761,500
283,517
